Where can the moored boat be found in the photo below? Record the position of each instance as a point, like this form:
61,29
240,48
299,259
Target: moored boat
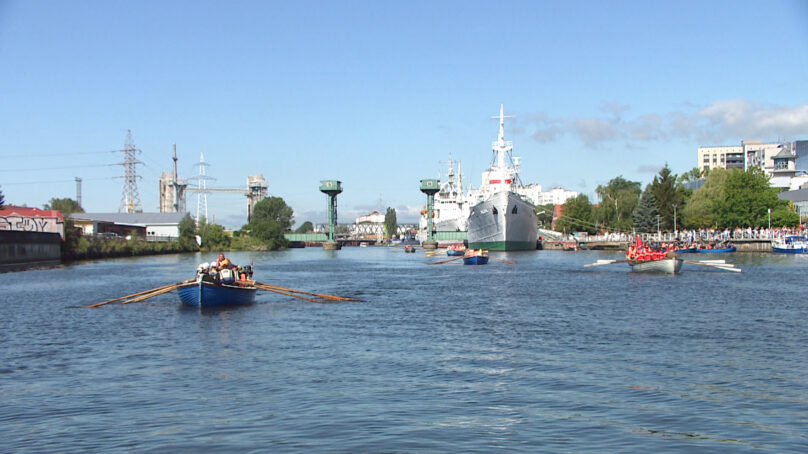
716,250
409,248
501,219
792,244
456,250
686,250
475,257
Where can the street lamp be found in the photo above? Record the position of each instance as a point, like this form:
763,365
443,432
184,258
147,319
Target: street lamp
658,233
674,222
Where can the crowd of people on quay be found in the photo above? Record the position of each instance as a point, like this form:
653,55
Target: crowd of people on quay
693,236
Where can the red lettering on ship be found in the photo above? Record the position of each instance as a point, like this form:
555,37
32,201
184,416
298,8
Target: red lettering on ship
507,181
493,181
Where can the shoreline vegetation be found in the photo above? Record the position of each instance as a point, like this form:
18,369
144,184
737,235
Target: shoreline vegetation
265,232
724,200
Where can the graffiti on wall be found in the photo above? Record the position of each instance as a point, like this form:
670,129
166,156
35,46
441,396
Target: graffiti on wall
32,223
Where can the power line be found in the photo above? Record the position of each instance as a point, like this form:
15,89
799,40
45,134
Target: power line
58,168
46,155
60,181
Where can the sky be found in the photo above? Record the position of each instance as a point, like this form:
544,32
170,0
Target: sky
380,94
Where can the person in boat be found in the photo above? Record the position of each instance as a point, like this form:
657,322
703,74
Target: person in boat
221,263
223,270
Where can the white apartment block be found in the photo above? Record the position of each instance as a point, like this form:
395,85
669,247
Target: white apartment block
750,153
556,195
725,157
779,160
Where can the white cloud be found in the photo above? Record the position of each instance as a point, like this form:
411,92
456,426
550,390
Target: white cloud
723,121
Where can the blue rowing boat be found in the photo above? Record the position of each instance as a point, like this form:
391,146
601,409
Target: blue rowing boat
209,294
475,257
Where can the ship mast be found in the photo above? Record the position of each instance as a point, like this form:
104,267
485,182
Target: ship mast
501,146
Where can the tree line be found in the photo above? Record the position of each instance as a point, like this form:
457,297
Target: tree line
728,198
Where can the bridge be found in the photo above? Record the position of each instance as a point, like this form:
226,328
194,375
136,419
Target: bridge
353,234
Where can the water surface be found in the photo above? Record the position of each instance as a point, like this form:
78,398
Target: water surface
543,355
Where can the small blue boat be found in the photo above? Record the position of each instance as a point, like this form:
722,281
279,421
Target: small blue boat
475,257
716,250
687,250
209,294
792,244
455,251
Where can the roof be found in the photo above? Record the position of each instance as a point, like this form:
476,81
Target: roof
131,218
800,195
11,210
785,153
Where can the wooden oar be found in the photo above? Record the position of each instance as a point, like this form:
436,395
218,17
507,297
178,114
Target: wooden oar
170,288
139,293
720,266
446,261
261,285
503,260
274,290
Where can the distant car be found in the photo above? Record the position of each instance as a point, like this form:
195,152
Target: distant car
107,235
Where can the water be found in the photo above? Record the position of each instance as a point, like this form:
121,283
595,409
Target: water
543,355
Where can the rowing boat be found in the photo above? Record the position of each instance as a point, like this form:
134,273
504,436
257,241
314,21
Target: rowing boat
475,257
208,294
667,265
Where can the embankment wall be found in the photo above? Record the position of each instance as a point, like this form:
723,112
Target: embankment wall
20,250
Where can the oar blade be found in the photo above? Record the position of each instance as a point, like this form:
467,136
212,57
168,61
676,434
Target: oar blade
603,262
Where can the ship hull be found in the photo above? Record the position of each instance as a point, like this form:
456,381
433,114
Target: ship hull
503,222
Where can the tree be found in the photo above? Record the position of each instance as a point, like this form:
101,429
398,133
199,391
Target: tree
747,200
699,211
213,236
667,193
645,216
269,232
65,206
187,231
390,223
576,215
544,214
2,201
270,219
306,227
785,216
618,199
691,175
273,208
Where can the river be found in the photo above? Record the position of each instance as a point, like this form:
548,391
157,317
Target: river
541,355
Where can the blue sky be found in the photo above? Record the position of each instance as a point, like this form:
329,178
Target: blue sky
377,93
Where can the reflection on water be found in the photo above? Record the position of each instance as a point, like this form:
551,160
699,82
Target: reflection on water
540,355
